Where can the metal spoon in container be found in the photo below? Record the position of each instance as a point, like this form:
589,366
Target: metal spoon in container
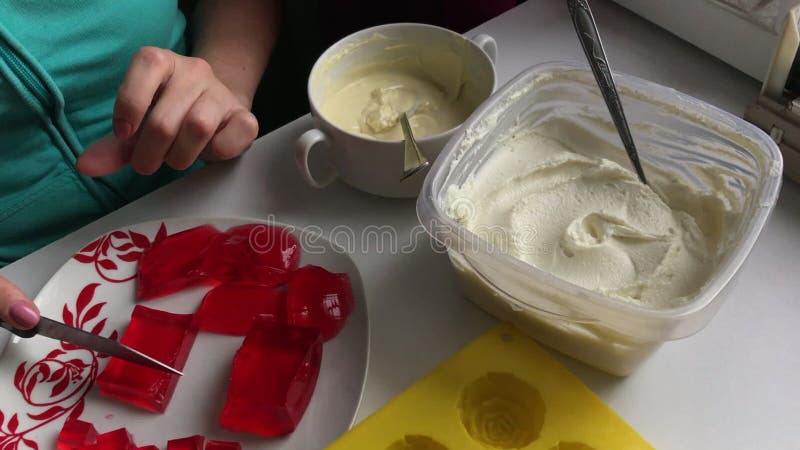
585,26
414,160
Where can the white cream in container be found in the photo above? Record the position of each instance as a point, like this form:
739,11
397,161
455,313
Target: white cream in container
717,176
588,220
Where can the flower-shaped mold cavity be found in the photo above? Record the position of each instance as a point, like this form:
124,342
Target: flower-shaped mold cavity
416,442
500,410
572,446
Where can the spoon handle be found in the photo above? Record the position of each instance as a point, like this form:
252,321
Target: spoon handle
413,160
585,26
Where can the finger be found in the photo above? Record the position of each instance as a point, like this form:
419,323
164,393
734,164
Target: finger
234,137
199,126
159,130
105,156
15,307
149,69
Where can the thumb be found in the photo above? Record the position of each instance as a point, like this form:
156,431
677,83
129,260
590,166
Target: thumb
105,156
15,307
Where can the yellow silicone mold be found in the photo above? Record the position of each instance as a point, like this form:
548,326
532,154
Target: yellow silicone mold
502,391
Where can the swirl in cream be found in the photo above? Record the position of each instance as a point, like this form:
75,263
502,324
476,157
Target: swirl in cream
586,220
372,102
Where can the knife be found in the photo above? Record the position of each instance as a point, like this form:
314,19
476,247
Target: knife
62,332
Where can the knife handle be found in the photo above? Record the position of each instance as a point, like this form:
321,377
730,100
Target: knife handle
21,333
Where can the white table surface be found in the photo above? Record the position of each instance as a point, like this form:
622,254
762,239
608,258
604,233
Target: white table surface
734,385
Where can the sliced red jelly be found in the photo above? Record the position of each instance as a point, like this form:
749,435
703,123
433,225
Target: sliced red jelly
165,336
174,263
272,379
119,439
76,434
319,299
230,308
223,445
188,443
254,252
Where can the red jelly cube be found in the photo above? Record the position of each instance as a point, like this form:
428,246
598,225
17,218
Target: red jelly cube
255,252
273,377
188,443
174,263
230,308
223,445
147,447
118,439
76,434
319,299
165,336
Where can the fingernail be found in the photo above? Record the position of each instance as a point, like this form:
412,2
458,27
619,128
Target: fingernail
122,129
24,314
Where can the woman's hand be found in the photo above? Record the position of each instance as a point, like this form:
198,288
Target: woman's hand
15,307
171,109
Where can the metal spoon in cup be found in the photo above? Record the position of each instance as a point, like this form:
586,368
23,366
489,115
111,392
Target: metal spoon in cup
414,160
585,26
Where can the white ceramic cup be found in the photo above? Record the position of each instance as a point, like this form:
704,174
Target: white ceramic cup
370,164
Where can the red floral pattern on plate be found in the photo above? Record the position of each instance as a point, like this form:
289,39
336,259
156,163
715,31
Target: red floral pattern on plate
55,386
115,250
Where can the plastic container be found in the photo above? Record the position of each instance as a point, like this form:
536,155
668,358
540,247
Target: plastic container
678,137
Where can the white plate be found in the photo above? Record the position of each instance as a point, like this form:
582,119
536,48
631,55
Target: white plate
41,383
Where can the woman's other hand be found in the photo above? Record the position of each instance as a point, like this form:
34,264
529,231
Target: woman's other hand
171,109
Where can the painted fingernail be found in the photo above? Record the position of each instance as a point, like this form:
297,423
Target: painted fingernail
122,129
24,314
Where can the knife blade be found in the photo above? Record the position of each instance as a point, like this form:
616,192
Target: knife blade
63,332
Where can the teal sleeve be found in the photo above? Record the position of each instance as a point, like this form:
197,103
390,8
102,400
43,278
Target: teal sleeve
61,63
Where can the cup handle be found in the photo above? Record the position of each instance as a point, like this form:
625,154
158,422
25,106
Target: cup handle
306,143
487,44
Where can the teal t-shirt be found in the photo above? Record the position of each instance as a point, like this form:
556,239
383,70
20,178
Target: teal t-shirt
61,63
